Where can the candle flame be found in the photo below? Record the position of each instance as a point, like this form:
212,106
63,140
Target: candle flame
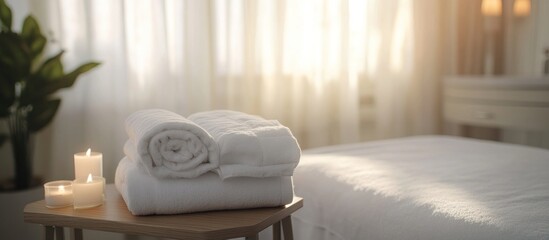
89,178
88,153
61,189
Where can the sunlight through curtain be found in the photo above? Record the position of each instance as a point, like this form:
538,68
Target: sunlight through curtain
333,71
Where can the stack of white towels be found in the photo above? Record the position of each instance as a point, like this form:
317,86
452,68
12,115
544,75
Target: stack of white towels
209,161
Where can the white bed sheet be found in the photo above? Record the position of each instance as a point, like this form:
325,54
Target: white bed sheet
427,187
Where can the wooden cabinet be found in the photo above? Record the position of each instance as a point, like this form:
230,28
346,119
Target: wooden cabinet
501,102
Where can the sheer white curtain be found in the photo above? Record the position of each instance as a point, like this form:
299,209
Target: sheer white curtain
327,69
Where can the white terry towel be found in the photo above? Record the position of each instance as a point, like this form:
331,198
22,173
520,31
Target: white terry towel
169,145
250,146
145,195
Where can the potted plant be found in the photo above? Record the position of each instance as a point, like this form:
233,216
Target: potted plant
28,86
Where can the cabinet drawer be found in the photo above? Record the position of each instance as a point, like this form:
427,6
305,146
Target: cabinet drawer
513,96
528,118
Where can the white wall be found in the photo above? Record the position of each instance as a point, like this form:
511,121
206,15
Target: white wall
526,38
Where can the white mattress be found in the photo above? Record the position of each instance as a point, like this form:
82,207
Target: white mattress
428,187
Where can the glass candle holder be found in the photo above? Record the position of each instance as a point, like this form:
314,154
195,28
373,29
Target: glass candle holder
88,193
58,194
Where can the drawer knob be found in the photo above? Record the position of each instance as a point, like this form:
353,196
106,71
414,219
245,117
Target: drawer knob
480,114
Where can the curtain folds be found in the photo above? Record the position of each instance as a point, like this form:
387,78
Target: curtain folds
333,71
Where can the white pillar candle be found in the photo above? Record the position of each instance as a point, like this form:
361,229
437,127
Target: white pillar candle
88,193
86,163
58,194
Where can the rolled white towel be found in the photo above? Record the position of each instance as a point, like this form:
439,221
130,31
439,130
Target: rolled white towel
145,195
168,145
250,146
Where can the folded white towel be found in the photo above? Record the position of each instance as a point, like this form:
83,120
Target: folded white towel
145,195
169,145
250,146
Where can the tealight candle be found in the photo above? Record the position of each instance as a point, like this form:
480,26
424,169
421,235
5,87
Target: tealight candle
88,193
88,163
58,194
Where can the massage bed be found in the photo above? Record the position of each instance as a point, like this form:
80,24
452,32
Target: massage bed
423,187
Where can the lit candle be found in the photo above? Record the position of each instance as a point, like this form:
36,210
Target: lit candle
58,194
88,193
86,163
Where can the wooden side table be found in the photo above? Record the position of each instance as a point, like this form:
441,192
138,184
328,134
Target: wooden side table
113,216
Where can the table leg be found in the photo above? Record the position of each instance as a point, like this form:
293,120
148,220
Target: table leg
59,233
77,234
276,231
254,237
287,227
48,230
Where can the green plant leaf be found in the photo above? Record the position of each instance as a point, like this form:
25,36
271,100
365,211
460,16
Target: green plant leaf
52,68
37,46
31,28
5,16
65,81
12,49
15,59
49,71
42,113
40,88
71,77
33,36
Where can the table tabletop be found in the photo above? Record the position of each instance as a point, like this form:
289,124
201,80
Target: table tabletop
113,216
